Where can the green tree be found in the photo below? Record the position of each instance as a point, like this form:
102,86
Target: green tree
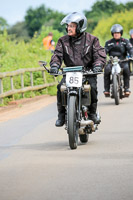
55,20
3,24
129,5
36,18
103,9
104,6
120,8
20,32
99,10
102,30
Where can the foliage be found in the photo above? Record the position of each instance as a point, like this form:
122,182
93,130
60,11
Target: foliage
19,54
56,22
19,31
15,55
44,32
129,5
36,18
102,30
3,24
103,9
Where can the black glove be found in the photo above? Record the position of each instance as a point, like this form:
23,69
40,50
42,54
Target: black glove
97,68
54,70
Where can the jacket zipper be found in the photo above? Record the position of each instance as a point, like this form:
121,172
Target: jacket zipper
66,49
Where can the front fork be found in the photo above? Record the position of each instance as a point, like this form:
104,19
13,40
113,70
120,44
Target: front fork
119,82
78,94
79,104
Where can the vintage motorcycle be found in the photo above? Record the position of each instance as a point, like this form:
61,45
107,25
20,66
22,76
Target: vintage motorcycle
76,98
117,85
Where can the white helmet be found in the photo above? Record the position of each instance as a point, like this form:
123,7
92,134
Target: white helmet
131,32
77,18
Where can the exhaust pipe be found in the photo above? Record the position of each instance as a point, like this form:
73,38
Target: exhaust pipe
85,123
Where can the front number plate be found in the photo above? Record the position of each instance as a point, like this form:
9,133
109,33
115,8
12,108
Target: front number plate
73,79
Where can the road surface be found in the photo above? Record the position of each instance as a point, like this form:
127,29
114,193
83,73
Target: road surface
36,162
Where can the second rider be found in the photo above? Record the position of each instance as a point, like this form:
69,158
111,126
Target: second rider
119,47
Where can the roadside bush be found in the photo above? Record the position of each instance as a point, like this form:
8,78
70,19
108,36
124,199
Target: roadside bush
102,30
16,55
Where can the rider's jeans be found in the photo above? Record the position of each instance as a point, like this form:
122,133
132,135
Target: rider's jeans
126,75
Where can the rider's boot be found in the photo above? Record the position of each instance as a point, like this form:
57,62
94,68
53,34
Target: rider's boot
93,115
107,92
127,92
61,116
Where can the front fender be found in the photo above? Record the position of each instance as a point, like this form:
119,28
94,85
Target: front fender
73,93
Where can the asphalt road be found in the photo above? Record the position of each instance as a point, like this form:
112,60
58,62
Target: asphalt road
36,161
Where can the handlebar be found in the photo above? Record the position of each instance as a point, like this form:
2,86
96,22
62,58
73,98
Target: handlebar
125,60
113,59
85,72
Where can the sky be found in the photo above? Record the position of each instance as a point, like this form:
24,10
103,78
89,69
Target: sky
15,10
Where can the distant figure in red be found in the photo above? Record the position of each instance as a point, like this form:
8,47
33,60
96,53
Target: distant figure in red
48,42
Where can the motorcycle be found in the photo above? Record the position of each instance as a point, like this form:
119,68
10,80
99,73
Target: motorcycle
76,98
117,85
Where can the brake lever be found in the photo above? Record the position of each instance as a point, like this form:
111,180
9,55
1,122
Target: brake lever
46,69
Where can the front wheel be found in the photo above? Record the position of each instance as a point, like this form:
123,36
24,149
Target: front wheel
116,89
72,122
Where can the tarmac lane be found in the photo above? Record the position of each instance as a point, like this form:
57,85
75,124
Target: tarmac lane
37,163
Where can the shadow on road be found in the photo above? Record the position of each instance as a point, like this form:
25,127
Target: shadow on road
47,146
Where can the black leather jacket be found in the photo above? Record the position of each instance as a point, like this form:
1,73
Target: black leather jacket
119,48
84,50
131,41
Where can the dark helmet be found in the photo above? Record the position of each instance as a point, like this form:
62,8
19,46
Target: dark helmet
131,32
116,28
77,18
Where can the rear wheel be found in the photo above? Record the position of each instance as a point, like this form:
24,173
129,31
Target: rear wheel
116,89
72,122
121,93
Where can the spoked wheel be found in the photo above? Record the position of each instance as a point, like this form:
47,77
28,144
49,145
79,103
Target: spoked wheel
84,138
121,93
116,89
121,88
72,122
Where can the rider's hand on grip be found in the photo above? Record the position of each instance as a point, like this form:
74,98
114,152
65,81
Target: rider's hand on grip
97,68
54,70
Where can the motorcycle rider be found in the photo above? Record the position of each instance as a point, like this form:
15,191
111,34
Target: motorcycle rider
77,48
131,36
119,47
